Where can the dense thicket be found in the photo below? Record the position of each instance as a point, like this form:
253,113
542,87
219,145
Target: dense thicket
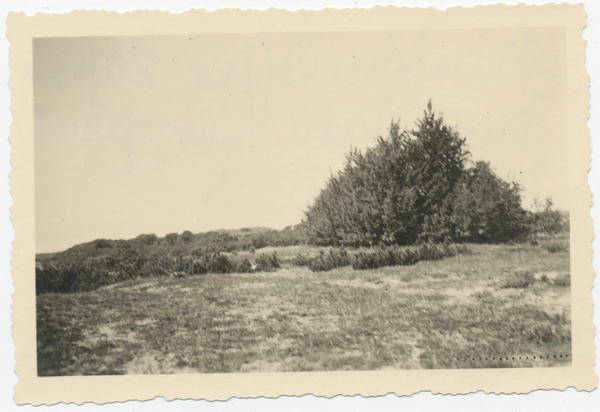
103,262
413,187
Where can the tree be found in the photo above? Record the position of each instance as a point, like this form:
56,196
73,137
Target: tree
414,187
385,195
545,221
437,158
484,208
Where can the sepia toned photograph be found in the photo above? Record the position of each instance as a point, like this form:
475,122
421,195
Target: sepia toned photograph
292,202
256,204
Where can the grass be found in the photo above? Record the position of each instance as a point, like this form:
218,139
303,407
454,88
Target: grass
519,279
555,245
450,313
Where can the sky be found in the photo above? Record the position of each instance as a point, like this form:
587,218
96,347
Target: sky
164,134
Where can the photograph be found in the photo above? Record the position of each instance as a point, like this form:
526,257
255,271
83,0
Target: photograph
313,201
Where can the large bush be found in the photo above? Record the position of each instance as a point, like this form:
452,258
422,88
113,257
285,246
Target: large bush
414,187
482,208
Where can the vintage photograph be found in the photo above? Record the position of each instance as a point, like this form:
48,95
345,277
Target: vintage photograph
290,202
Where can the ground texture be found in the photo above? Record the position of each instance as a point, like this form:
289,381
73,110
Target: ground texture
468,311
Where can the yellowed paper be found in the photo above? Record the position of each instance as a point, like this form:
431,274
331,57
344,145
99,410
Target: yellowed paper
104,150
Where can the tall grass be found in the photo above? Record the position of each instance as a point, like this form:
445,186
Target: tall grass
555,245
378,257
518,280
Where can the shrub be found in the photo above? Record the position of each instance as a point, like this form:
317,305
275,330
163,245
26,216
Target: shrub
187,236
157,265
334,258
199,267
209,263
432,252
198,252
518,280
563,280
404,256
365,261
338,257
407,256
301,260
217,263
545,221
378,257
267,262
242,266
172,238
260,241
320,264
482,208
147,239
383,257
103,244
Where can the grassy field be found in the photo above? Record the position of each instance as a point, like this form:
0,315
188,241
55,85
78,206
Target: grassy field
500,306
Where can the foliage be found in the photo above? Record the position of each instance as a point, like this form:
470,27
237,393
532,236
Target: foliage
414,187
555,245
300,260
544,221
364,261
187,236
267,262
334,258
103,262
482,209
518,280
404,256
378,256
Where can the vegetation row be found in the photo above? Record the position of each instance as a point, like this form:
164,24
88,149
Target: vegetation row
379,257
93,273
112,264
101,262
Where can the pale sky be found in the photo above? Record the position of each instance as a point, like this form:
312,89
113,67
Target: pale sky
202,132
